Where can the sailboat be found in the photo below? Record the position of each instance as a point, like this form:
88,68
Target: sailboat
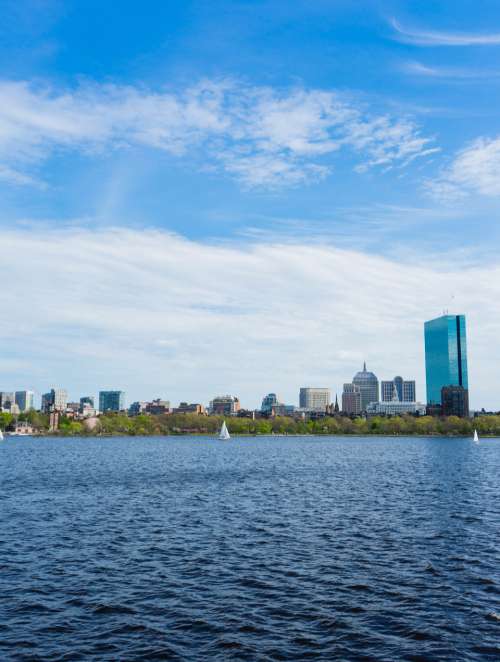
1,435
224,432
476,437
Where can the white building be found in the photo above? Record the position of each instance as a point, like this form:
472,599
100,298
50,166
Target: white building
314,399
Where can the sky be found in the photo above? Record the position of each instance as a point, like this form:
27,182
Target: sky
244,197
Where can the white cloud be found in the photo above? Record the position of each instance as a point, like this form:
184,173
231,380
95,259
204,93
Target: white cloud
472,75
262,136
157,314
439,38
475,169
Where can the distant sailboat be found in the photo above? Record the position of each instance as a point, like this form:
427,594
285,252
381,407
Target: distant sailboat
476,437
224,432
1,435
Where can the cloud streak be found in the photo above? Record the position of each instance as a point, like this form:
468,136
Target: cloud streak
156,314
474,170
261,136
439,38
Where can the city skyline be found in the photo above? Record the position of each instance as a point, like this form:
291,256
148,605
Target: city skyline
296,188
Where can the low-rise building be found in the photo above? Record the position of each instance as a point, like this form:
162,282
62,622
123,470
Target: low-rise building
190,408
395,407
225,405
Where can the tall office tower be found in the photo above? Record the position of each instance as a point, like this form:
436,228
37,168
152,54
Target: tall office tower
25,400
314,399
55,400
445,355
368,386
351,399
111,401
405,389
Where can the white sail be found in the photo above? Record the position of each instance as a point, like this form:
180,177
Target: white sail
476,437
1,435
224,432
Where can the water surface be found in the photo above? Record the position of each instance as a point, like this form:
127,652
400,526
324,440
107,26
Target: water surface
254,549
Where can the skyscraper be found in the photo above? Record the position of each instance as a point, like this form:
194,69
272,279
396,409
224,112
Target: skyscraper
445,355
25,400
351,400
368,386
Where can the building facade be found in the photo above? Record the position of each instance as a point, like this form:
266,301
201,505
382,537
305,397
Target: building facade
351,400
111,401
455,401
269,402
368,386
7,399
190,408
405,389
55,400
225,405
25,400
445,355
314,399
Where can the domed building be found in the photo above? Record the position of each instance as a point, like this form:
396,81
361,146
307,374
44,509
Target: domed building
368,386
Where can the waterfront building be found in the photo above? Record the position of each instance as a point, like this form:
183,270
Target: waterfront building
158,406
25,400
368,386
351,400
395,407
225,405
55,400
189,408
455,401
281,409
111,401
445,355
314,399
405,389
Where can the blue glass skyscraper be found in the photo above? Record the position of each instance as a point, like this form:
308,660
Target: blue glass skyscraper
445,355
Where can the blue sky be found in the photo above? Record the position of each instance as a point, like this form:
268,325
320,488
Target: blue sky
357,143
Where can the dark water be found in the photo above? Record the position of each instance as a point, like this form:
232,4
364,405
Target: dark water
255,549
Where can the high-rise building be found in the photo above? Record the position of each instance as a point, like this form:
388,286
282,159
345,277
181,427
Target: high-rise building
25,400
87,400
455,401
269,402
225,405
368,386
405,389
111,401
445,355
55,400
314,399
351,400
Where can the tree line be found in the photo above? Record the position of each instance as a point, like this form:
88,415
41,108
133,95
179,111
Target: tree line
121,424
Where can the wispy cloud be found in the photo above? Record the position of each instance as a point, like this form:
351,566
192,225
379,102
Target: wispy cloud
261,136
419,69
439,38
149,312
475,169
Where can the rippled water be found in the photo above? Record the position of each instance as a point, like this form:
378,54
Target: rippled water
255,549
